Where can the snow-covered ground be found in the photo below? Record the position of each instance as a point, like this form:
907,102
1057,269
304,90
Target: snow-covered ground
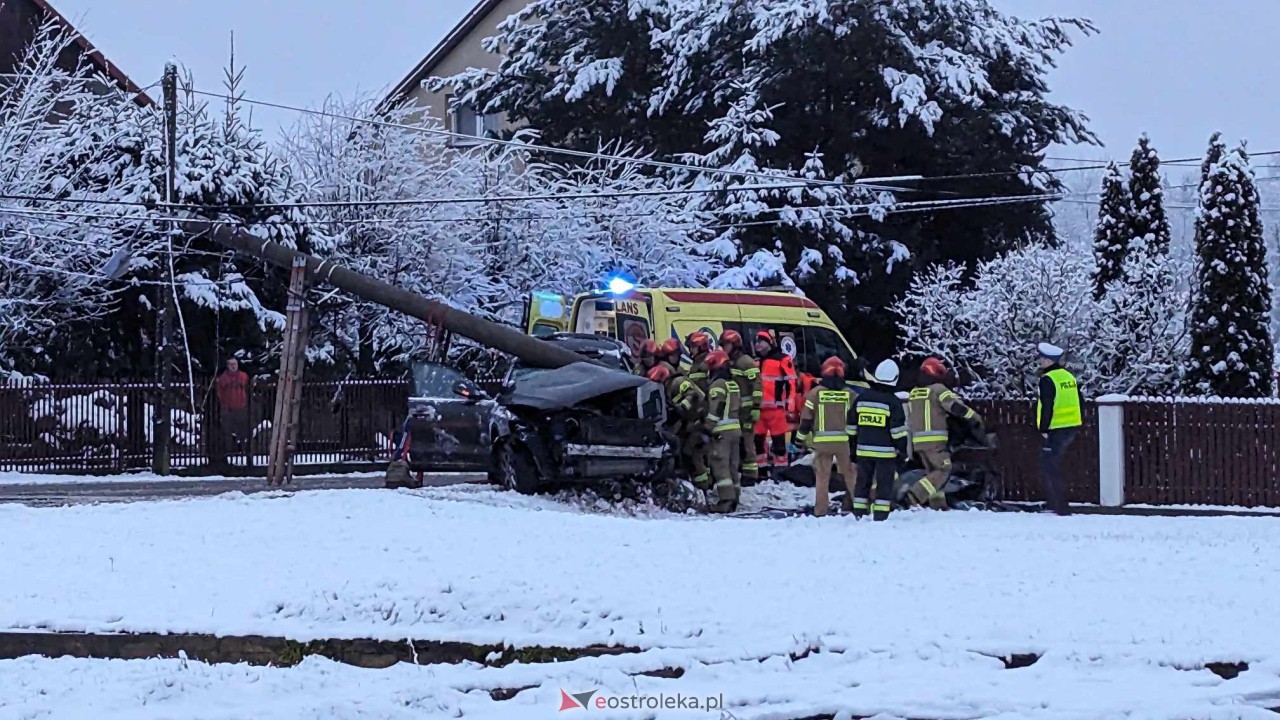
17,478
904,613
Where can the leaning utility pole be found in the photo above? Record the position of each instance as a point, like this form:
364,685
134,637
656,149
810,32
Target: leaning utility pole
164,408
531,350
293,358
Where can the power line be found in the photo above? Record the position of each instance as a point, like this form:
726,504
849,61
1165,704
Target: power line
871,183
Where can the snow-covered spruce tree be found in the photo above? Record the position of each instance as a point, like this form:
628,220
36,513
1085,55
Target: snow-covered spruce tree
1149,225
1111,237
449,224
934,88
1231,345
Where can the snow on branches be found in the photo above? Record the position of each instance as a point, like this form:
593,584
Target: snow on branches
65,139
989,329
934,88
478,228
1111,238
1232,348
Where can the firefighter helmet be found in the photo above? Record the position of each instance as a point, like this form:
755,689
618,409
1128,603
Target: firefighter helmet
648,348
933,367
731,337
833,367
669,349
698,342
717,360
887,373
659,373
767,336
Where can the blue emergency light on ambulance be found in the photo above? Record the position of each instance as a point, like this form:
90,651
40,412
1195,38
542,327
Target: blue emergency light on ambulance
620,284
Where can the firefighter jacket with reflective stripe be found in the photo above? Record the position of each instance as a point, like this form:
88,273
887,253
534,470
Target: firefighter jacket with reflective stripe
929,407
747,374
724,406
687,398
827,415
698,372
777,380
882,424
1059,403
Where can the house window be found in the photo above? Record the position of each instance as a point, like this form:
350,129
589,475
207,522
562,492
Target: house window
466,121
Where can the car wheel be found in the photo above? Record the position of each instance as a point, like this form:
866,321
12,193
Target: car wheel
515,469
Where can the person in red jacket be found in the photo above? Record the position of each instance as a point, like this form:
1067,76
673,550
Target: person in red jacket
233,404
777,393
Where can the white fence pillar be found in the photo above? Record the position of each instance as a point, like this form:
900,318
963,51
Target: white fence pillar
1111,450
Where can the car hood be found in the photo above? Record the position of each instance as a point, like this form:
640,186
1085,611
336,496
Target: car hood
569,386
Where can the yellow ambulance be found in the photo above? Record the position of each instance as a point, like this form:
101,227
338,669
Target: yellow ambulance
635,314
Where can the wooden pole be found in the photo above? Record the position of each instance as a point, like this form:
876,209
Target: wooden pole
531,350
284,424
164,407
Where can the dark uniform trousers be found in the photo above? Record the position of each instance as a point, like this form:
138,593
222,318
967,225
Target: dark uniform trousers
1051,451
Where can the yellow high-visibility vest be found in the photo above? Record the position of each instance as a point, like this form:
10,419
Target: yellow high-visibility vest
1066,401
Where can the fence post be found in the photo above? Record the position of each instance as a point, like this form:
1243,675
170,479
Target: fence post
1111,450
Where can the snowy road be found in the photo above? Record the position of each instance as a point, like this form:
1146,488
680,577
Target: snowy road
903,615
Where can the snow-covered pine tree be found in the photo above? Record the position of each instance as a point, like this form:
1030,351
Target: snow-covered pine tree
1231,345
923,87
1149,225
1111,236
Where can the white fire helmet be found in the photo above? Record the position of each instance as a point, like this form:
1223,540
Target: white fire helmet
887,373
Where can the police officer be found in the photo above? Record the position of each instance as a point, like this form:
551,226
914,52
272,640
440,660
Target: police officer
699,346
1057,417
828,425
931,402
777,392
724,422
688,409
881,442
746,373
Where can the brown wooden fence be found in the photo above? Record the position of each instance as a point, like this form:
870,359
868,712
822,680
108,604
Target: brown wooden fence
107,428
1017,458
1177,451
1202,452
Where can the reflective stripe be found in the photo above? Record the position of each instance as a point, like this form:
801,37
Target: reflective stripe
831,436
928,486
898,433
932,436
888,451
873,405
861,503
882,506
750,466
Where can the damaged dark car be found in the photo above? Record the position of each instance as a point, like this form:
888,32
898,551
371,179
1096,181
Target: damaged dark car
543,428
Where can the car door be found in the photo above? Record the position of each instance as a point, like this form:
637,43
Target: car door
448,431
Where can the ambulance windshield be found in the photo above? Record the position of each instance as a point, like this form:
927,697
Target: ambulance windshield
626,319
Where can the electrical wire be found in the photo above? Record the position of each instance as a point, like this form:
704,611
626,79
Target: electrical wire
872,183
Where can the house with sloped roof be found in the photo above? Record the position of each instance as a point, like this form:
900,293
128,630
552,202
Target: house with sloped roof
458,51
20,20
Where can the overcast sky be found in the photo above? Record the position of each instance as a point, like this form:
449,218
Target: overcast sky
1177,69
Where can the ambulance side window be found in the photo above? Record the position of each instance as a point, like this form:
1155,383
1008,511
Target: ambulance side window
790,336
822,344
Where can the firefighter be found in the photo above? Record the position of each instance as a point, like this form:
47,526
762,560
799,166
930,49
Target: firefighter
828,425
724,422
688,410
699,345
777,390
931,401
746,373
1057,419
648,353
881,442
667,353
